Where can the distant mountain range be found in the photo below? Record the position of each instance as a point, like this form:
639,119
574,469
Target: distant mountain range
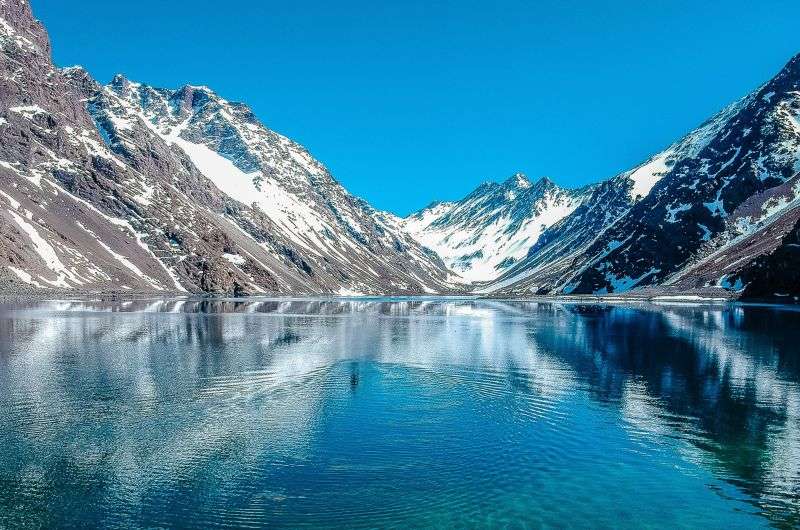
130,188
486,233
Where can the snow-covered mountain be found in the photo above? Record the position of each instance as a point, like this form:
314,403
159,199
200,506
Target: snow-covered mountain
488,231
695,217
521,238
128,187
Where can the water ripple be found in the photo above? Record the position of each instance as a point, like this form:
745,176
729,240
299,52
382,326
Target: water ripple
397,413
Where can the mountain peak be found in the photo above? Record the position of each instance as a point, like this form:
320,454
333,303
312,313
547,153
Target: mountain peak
545,182
76,69
80,78
518,181
119,81
77,73
193,89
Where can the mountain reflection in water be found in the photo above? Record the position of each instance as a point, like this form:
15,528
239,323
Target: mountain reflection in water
398,412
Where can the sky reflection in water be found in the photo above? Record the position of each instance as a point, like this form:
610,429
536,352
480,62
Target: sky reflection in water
364,413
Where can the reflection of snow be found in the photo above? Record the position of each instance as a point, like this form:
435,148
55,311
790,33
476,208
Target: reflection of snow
252,373
642,411
193,378
746,373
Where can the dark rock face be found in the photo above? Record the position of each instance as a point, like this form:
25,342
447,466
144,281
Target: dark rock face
776,276
100,190
756,149
719,198
755,229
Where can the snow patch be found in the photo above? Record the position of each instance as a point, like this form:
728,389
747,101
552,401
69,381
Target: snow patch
25,277
626,283
646,176
47,253
11,200
349,292
672,212
235,259
706,232
29,111
687,298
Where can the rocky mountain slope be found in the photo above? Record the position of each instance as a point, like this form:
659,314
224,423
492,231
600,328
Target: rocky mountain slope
775,276
714,206
487,232
128,187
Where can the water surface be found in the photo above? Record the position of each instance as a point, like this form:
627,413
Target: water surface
398,413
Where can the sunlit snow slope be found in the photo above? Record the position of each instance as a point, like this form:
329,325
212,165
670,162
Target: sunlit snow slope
487,232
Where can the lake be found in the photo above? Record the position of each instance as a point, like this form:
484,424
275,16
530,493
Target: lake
398,413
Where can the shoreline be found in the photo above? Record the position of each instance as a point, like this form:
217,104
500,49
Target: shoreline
648,297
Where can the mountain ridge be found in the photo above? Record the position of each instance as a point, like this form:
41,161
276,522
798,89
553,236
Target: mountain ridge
749,148
126,187
115,191
490,228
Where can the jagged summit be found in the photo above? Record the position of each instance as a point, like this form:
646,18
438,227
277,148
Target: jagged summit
545,183
75,70
492,228
517,180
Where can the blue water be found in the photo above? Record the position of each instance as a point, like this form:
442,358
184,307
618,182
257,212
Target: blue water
398,413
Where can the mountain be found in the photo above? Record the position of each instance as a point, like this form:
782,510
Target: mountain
488,231
553,256
127,187
561,251
775,275
756,256
700,215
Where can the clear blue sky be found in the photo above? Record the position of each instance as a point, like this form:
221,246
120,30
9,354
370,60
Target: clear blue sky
407,101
